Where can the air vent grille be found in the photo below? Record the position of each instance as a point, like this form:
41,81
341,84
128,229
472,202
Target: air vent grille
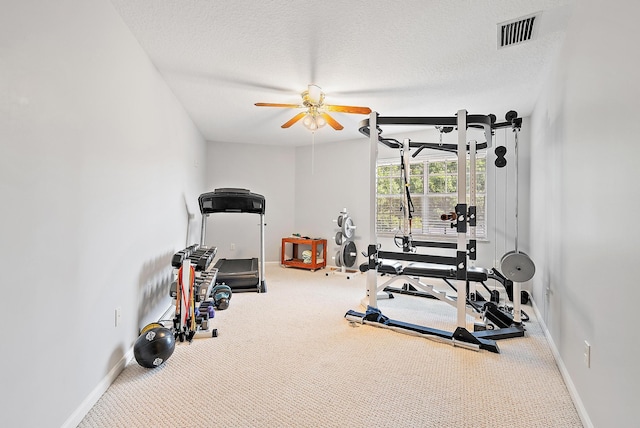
516,31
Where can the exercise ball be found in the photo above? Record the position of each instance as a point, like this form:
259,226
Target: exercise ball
154,347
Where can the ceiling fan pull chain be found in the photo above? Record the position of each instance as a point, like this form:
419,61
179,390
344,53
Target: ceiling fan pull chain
313,150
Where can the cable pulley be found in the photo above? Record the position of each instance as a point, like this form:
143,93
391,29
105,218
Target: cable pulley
516,265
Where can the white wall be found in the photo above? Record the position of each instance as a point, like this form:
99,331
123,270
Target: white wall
584,200
330,177
266,170
96,156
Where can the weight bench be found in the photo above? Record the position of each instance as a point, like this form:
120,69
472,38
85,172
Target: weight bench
477,307
446,273
431,270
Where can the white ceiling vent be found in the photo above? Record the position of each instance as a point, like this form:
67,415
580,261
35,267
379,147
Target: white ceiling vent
517,30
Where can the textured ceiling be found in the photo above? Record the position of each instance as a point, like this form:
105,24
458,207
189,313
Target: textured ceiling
398,57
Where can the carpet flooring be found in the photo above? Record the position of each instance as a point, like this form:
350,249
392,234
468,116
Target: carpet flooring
289,358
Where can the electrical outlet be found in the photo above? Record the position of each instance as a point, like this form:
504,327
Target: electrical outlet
118,317
587,354
233,246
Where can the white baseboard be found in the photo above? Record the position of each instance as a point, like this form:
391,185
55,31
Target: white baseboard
573,392
77,416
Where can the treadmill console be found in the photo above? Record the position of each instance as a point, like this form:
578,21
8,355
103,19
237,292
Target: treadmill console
231,200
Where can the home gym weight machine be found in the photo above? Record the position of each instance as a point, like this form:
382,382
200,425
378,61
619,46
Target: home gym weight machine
239,274
465,250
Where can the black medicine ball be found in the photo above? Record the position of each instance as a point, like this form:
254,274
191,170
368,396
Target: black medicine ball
154,347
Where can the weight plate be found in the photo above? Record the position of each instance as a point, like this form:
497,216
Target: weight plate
517,266
349,254
500,162
339,238
338,259
347,227
340,220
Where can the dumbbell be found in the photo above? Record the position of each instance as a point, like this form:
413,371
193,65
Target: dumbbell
206,308
221,295
204,261
178,258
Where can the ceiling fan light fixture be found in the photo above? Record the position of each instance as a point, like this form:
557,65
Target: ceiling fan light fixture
316,115
313,96
316,97
308,120
313,121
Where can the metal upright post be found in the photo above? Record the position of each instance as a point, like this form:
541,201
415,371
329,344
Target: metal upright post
461,211
372,274
262,286
472,197
203,228
472,211
405,199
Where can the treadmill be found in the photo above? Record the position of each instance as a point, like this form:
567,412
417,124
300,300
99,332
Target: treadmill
239,274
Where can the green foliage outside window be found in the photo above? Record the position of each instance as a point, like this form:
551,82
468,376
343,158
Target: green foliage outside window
433,189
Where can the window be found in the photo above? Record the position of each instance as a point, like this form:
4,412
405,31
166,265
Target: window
433,185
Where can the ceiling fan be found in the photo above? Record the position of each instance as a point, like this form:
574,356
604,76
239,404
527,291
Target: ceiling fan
316,115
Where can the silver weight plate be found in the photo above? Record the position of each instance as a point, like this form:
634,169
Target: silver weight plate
347,227
340,220
339,238
517,266
338,259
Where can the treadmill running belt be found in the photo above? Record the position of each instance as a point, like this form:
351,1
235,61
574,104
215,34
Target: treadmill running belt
238,274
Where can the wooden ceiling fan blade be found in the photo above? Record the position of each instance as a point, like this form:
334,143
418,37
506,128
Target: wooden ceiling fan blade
294,119
332,122
348,109
279,105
